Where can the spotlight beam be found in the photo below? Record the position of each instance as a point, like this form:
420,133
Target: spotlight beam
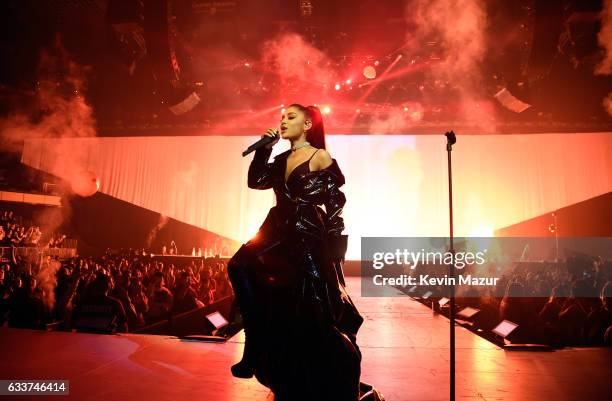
396,74
376,82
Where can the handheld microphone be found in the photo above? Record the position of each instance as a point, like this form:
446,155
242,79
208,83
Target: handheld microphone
261,143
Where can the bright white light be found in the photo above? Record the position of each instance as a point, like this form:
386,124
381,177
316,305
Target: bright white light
326,110
337,87
348,81
482,230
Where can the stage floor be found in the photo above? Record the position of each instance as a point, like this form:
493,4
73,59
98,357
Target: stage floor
405,355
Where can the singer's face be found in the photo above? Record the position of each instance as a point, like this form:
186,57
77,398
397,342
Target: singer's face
293,123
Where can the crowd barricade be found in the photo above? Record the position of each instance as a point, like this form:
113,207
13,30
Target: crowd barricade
33,252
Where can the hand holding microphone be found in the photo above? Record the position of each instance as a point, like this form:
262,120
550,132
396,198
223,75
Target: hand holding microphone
273,133
268,140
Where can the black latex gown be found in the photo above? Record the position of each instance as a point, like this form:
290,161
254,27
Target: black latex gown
293,293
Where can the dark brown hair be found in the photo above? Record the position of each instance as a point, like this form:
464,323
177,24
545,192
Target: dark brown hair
316,134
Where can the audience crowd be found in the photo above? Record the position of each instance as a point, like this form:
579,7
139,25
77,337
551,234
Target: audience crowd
122,292
125,293
14,231
559,304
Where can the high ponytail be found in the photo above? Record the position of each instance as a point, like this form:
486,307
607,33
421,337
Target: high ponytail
316,134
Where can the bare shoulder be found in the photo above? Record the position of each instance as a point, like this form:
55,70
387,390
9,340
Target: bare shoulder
322,159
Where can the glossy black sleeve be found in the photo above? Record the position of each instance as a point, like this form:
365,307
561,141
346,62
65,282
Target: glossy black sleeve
261,173
334,203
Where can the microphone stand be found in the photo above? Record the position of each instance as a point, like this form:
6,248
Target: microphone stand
450,141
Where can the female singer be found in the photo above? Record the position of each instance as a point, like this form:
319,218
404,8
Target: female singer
300,324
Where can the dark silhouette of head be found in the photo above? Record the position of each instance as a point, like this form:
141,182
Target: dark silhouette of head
101,284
